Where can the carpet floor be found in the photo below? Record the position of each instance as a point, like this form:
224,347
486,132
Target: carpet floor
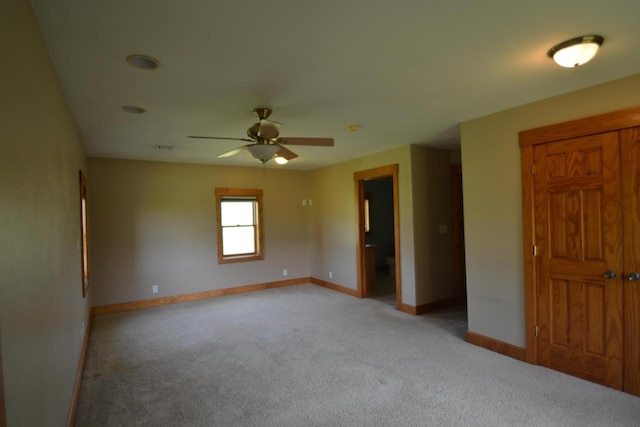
308,356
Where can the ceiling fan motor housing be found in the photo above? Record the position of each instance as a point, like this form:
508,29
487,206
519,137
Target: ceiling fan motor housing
262,113
252,132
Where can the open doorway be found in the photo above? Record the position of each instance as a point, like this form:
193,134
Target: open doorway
457,210
378,244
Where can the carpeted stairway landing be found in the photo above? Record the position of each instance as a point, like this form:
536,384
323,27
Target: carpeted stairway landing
308,356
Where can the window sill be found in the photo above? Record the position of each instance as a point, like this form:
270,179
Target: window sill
239,258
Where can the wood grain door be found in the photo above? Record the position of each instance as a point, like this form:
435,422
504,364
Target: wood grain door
578,235
630,162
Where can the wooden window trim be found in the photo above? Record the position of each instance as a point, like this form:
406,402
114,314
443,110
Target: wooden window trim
222,193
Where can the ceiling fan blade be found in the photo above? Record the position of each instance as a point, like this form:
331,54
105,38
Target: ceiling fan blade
233,152
218,137
320,142
286,153
269,129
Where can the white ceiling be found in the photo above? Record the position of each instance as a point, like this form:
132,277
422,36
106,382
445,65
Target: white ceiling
406,71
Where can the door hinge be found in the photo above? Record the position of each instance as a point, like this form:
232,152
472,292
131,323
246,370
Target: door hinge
533,169
537,329
535,250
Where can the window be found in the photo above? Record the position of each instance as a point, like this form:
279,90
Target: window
367,215
239,221
84,243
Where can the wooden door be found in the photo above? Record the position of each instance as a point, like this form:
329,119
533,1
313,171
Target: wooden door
578,236
630,160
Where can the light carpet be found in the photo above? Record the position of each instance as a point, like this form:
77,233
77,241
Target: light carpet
308,356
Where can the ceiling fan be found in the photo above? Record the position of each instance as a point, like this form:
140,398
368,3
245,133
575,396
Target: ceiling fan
266,143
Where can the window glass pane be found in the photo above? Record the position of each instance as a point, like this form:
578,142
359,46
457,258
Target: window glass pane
237,212
238,240
85,246
83,232
239,220
367,224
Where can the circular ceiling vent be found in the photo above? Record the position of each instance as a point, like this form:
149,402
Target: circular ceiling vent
133,109
143,62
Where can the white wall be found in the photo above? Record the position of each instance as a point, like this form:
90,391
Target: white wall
493,202
155,223
41,303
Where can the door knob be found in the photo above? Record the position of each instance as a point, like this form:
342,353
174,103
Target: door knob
634,276
611,275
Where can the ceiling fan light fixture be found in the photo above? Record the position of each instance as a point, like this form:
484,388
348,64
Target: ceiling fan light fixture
577,51
280,160
263,152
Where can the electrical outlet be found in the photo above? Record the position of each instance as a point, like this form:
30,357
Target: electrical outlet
304,202
285,272
155,289
331,275
310,202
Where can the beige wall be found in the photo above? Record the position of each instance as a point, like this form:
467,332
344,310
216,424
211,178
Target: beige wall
455,156
333,219
493,203
431,189
155,223
41,303
424,193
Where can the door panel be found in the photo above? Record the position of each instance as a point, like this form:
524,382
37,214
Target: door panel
577,202
630,155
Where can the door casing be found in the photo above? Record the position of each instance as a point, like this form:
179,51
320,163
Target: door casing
359,179
608,122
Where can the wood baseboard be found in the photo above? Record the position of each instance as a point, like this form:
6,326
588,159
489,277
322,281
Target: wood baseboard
435,305
155,302
498,346
426,308
334,287
75,395
406,308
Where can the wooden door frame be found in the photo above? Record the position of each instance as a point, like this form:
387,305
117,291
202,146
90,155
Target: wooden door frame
607,122
359,179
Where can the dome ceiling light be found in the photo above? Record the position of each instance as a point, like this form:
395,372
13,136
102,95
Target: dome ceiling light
575,52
